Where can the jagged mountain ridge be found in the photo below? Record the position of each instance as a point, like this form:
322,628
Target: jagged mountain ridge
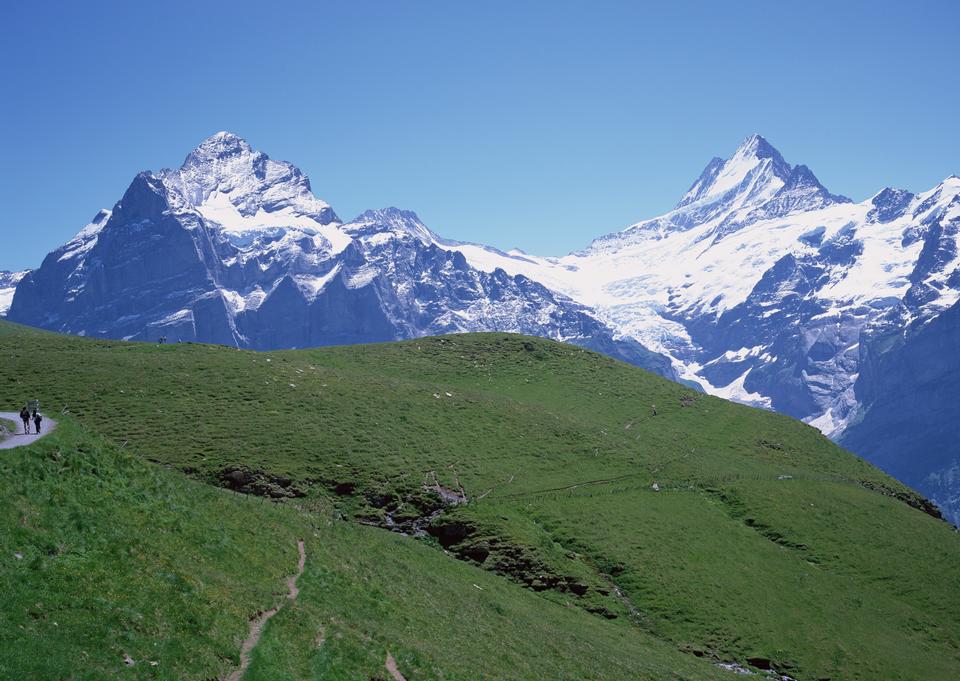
768,289
234,248
761,285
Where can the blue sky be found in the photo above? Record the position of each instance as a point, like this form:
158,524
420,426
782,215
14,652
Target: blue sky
537,125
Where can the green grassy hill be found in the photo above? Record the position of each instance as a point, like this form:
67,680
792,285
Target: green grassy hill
616,525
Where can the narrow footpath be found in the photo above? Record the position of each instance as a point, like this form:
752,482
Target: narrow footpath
18,438
258,622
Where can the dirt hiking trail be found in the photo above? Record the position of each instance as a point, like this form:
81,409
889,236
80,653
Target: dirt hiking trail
391,666
260,620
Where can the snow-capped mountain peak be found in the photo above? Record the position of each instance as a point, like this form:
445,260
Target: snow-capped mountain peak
219,145
755,158
889,204
96,224
245,195
244,190
757,146
757,249
233,247
756,183
953,182
390,221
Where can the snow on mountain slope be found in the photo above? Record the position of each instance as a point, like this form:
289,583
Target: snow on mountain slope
8,284
234,248
767,289
250,196
753,249
754,173
683,257
85,239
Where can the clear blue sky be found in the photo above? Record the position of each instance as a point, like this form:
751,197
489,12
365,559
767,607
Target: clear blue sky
538,125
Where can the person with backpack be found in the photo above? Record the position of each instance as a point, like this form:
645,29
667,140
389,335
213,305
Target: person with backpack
25,417
37,418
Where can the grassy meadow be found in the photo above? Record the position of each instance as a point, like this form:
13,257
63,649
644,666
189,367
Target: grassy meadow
617,525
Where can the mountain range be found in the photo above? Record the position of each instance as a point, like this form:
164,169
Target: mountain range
233,248
761,286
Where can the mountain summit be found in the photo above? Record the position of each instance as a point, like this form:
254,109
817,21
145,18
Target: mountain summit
245,191
755,163
218,145
234,248
755,183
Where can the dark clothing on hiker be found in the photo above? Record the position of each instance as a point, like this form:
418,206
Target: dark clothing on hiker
25,417
36,421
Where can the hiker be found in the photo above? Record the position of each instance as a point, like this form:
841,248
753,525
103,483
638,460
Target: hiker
37,418
25,417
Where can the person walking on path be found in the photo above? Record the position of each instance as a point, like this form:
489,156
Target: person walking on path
25,417
49,425
37,418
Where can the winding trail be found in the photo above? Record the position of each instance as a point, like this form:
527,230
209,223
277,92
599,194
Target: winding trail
18,439
391,666
258,622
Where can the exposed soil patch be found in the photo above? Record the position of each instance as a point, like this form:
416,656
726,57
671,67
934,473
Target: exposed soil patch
391,666
468,542
263,484
909,498
260,619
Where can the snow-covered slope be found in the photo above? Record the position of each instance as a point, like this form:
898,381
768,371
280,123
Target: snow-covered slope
234,248
759,270
249,195
766,288
8,284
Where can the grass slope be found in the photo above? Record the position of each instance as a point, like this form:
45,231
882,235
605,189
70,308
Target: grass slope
103,557
762,541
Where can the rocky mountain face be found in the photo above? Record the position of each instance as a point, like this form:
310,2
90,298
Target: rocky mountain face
908,417
766,288
234,248
760,285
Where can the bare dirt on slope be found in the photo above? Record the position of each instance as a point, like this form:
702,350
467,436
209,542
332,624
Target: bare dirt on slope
260,620
391,666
